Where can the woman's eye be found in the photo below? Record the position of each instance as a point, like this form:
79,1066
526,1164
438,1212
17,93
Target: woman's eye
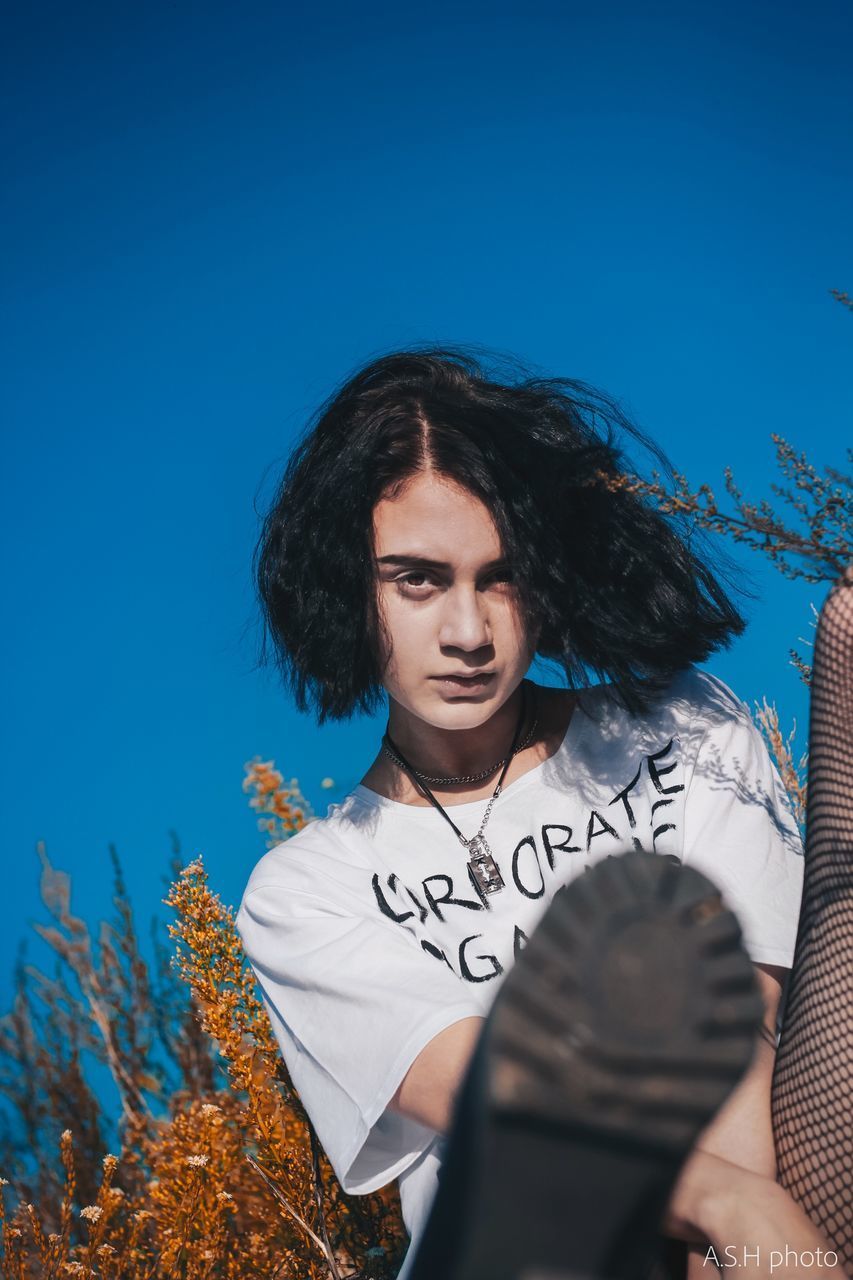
418,582
414,582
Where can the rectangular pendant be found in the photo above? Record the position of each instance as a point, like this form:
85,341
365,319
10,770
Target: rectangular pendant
483,867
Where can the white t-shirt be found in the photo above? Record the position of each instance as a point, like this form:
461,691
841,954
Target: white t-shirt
368,935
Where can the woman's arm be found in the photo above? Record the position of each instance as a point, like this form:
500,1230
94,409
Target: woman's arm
728,1190
742,1131
428,1090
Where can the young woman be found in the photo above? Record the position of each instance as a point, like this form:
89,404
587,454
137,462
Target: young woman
435,530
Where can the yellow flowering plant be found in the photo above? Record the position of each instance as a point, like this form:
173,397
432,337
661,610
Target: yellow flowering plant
219,1172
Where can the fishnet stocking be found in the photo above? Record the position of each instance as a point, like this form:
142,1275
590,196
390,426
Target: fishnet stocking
812,1096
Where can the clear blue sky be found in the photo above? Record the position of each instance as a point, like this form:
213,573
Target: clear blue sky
212,212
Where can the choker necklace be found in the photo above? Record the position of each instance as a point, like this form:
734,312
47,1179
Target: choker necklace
482,867
462,777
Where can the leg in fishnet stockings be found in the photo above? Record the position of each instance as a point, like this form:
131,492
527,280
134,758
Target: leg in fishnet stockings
812,1096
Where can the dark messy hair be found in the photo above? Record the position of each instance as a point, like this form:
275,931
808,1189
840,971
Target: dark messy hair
617,589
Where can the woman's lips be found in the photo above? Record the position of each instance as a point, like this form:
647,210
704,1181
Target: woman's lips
467,684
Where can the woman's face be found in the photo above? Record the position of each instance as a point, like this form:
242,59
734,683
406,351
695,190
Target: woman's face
448,603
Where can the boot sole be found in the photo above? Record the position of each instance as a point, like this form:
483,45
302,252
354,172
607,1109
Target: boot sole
622,1028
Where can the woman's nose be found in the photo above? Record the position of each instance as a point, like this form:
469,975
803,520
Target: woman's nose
465,624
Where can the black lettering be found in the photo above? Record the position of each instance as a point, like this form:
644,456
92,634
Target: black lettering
656,774
431,949
551,846
605,827
422,911
383,903
528,893
658,831
446,900
495,965
623,796
661,804
519,941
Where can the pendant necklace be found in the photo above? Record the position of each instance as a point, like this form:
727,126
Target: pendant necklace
482,866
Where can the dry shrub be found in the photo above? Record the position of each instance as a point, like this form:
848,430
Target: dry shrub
282,809
810,536
793,769
219,1173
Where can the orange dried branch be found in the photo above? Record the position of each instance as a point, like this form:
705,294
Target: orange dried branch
210,959
283,809
793,770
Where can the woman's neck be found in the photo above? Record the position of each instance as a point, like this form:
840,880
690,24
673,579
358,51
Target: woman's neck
450,753
553,712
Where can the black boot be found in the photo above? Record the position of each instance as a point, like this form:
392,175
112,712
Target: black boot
620,1031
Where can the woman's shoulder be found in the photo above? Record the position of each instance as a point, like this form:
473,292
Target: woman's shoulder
609,745
692,703
321,860
702,697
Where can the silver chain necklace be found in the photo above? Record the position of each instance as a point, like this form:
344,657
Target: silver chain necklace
482,867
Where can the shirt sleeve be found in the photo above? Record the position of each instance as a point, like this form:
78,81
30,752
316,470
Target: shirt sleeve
739,828
352,1003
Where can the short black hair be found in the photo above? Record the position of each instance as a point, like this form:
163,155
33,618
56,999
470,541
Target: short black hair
620,591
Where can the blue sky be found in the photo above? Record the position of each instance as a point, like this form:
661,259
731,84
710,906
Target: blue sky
212,213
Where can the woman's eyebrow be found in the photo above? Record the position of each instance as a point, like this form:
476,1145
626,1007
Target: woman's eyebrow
424,562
